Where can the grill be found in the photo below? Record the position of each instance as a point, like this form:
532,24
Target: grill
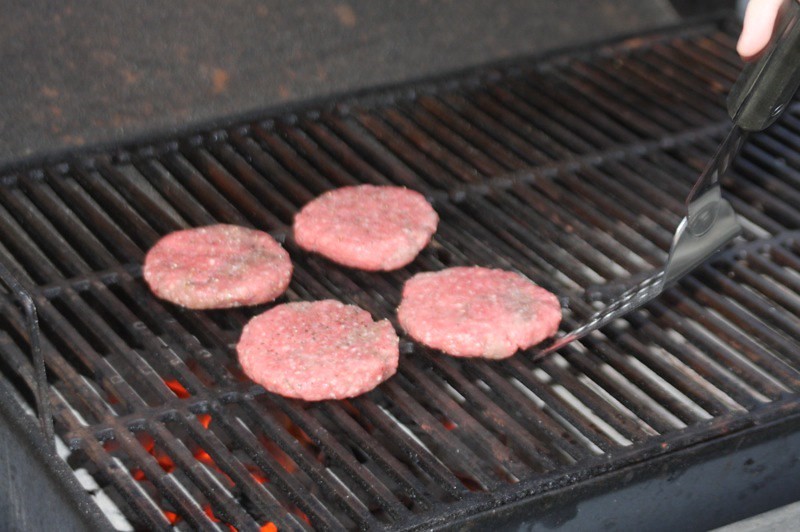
570,170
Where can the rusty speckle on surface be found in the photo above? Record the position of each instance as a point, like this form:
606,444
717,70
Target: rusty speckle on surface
182,53
105,58
73,140
346,15
219,80
49,92
129,76
262,10
284,92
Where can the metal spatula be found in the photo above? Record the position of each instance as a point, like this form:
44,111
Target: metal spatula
756,100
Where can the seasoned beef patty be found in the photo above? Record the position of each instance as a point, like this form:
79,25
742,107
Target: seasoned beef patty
218,266
320,350
367,227
477,312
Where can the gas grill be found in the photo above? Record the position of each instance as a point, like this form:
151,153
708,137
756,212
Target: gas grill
569,169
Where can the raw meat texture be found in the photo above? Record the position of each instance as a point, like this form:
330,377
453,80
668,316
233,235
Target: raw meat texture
477,312
218,266
319,350
367,227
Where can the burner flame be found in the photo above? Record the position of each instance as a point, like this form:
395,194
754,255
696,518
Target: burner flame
283,459
448,424
161,456
210,513
299,513
177,388
257,475
204,458
204,419
172,517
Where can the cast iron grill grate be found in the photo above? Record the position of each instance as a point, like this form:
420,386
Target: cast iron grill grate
571,171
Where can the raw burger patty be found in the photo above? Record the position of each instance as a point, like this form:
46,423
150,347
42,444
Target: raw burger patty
477,312
367,227
320,350
218,266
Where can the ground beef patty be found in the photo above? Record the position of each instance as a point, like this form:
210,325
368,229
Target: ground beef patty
320,350
367,227
477,312
218,266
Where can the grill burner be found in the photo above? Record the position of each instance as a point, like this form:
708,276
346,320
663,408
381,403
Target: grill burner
571,171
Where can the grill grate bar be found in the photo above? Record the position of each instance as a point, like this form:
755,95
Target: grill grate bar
495,153
508,125
477,160
231,188
543,426
470,430
294,488
525,445
39,228
297,167
466,466
434,174
203,190
316,157
343,154
654,115
689,96
190,210
243,478
392,467
336,453
574,110
107,200
412,449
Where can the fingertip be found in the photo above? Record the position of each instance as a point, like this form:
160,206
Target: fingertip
757,27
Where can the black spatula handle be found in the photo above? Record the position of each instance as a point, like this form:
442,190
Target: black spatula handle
766,86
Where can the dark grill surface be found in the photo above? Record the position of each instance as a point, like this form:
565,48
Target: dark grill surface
571,171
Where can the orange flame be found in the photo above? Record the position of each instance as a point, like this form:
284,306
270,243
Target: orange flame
172,517
204,458
448,424
164,461
210,513
257,475
284,459
299,513
268,527
177,388
295,430
204,419
147,441
161,457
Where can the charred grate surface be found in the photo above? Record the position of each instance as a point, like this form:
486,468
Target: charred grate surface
571,171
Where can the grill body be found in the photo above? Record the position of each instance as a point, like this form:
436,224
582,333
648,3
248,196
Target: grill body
569,169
